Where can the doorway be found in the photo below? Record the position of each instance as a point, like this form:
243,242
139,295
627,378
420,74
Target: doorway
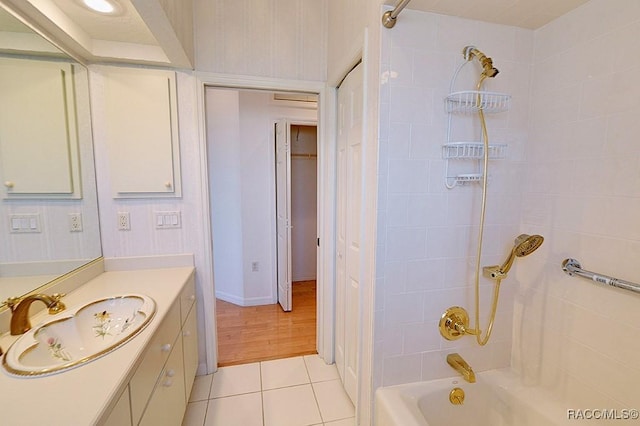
241,163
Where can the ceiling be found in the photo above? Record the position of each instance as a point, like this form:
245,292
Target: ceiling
125,27
137,35
530,14
141,32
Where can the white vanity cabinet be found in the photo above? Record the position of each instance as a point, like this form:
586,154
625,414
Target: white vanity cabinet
159,390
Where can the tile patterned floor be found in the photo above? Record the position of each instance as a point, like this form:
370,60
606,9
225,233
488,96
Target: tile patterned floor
299,391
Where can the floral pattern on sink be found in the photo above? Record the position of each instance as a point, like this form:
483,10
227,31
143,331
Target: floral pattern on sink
103,323
57,350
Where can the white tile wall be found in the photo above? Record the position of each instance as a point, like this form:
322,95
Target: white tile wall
571,175
581,191
426,233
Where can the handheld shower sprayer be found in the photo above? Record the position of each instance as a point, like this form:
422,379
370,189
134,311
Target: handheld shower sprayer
523,245
454,323
488,70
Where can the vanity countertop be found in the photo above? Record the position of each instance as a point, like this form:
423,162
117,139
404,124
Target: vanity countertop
82,395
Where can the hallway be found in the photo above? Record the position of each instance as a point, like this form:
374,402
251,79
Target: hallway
260,333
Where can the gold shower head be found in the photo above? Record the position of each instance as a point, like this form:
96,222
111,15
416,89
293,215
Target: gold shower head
523,245
488,70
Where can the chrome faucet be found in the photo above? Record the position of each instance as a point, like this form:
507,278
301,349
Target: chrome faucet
461,366
20,323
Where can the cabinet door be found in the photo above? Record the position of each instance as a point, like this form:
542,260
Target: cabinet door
168,403
142,132
38,139
190,349
121,413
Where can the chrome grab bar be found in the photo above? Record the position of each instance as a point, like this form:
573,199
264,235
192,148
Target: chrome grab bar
572,267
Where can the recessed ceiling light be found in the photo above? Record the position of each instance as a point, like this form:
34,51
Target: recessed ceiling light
108,7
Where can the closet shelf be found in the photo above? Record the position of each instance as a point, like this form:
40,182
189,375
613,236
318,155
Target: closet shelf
468,101
472,150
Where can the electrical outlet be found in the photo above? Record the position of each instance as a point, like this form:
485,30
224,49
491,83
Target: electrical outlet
75,222
124,223
255,266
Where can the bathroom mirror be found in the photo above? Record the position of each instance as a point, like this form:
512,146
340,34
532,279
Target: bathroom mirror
48,213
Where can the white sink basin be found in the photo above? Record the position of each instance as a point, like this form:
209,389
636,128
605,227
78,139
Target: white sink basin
79,335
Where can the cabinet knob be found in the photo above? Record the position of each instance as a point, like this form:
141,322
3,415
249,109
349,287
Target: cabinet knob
168,184
192,297
167,383
186,333
9,184
166,347
170,373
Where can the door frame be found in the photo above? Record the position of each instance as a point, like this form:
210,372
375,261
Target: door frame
311,123
326,203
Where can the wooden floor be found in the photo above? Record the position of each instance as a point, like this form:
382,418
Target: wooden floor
260,333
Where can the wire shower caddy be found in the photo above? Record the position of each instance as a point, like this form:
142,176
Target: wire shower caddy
467,102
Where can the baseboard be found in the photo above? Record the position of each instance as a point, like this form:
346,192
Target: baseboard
241,301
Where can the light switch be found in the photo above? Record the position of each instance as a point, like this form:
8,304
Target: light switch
22,223
167,220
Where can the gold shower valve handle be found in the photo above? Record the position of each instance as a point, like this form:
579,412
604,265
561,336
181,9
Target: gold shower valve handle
454,323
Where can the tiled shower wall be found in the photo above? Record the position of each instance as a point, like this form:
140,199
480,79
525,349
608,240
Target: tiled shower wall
427,233
582,192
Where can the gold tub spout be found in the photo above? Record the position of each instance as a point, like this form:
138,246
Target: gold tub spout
461,366
20,323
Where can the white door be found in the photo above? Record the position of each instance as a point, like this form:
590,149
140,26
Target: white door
283,213
348,221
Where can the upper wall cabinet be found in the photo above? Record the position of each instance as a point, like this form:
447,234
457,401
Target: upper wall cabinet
38,133
141,131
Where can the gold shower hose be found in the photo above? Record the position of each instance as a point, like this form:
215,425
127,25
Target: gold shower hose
496,290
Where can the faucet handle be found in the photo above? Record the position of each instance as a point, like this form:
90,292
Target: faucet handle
57,305
12,302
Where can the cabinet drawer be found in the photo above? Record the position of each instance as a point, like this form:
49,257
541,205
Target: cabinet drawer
190,349
187,298
168,403
153,361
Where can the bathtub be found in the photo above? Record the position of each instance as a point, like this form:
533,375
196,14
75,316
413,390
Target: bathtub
496,399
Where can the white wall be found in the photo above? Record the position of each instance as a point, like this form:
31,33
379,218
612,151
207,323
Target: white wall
582,192
268,38
180,14
347,22
303,203
224,158
242,146
143,239
427,234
